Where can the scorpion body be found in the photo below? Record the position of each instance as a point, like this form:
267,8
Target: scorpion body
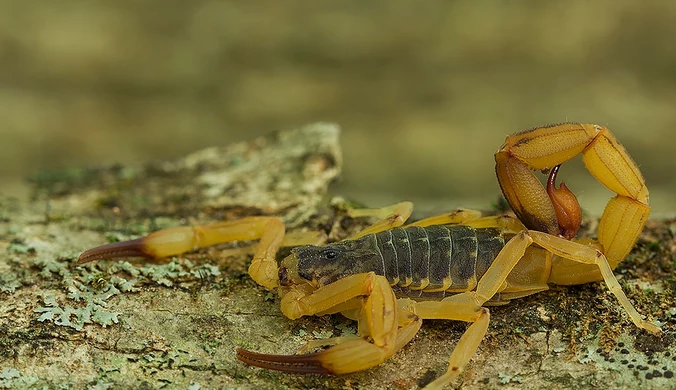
422,263
390,276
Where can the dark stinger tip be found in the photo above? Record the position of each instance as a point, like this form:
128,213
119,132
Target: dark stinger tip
566,206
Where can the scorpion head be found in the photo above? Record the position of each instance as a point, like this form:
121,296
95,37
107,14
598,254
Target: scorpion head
321,265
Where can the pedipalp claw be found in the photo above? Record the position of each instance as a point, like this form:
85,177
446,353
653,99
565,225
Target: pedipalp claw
348,354
160,244
299,364
131,248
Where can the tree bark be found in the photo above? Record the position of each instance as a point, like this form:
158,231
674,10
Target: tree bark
177,323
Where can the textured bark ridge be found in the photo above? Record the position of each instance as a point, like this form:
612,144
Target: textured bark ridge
176,323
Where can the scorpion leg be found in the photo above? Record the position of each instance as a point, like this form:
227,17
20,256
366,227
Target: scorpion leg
590,256
397,214
177,240
378,320
392,216
473,219
468,307
464,349
459,216
409,324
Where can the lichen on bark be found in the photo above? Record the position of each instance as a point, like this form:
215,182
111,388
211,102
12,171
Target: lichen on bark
176,323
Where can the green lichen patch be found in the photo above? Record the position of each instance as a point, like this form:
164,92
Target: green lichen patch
11,378
75,318
89,288
9,282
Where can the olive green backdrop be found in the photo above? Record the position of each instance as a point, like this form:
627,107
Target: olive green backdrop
425,91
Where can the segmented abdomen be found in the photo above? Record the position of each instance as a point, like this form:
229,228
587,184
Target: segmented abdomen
429,262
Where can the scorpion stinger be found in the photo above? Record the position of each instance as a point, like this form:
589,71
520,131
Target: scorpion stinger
566,206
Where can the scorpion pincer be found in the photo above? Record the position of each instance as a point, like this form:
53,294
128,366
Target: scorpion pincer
391,276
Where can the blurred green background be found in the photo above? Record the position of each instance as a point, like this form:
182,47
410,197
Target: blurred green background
425,91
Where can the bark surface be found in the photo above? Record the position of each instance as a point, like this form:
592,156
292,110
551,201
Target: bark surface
176,323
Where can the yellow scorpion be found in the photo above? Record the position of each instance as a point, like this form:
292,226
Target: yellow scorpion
391,276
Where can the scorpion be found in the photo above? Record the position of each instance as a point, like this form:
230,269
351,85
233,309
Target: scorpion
391,276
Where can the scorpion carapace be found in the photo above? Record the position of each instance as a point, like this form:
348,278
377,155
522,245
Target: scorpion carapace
391,276
418,262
